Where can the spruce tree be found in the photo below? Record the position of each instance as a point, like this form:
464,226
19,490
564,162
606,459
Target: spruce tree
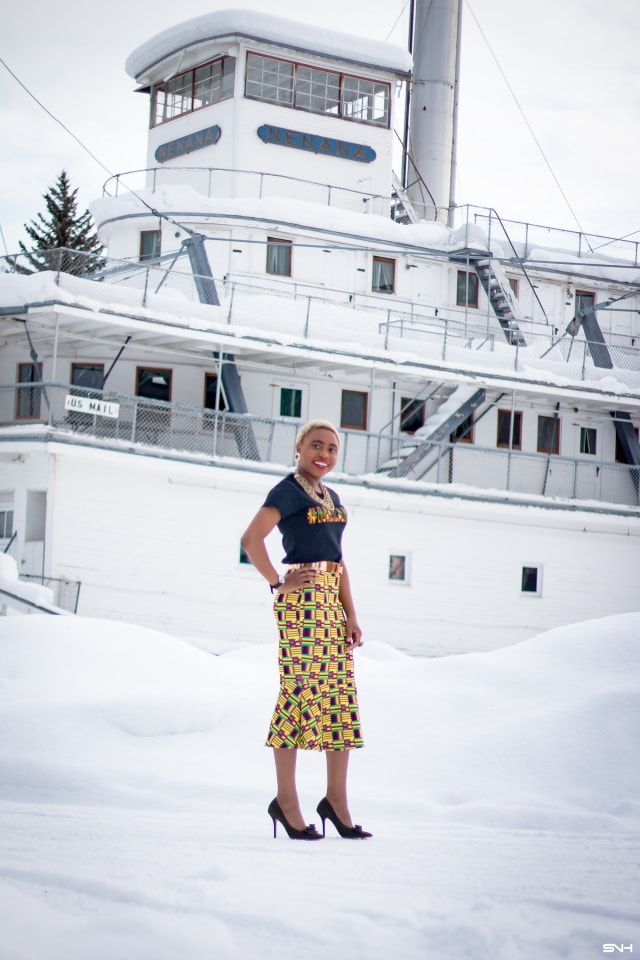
72,237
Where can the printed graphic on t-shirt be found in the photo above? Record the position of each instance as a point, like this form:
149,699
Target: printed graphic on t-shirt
320,514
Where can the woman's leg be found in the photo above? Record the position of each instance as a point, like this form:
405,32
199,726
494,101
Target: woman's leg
337,767
285,758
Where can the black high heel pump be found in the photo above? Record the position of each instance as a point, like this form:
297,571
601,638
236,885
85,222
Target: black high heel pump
326,812
275,812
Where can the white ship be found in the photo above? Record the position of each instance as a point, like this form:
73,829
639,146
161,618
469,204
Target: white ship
269,265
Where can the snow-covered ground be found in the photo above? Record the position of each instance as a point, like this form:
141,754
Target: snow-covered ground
502,789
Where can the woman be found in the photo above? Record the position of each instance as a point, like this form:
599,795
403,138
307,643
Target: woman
317,706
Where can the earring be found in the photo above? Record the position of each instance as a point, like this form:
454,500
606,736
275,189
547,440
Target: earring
297,456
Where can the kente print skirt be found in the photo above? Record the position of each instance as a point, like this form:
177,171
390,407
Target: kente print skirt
317,707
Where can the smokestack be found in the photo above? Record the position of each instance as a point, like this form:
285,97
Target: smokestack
432,107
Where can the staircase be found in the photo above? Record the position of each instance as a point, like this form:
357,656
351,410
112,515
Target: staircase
505,306
496,285
402,210
410,459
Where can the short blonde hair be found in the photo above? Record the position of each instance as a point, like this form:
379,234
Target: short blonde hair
316,425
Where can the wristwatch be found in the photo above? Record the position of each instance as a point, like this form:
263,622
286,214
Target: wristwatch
274,586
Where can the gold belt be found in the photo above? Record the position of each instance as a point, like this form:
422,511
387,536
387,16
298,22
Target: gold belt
322,566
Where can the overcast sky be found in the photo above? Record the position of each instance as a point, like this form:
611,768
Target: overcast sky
571,64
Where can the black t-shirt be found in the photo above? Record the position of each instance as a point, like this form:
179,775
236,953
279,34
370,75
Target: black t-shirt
309,531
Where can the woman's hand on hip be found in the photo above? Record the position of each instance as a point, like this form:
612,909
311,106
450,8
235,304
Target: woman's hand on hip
298,579
352,632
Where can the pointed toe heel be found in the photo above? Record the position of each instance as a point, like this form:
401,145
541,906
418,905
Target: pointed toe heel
326,812
275,812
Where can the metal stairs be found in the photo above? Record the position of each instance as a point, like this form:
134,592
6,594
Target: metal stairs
505,306
496,285
411,456
402,210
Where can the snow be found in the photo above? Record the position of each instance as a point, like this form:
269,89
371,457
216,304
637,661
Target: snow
9,581
253,24
502,790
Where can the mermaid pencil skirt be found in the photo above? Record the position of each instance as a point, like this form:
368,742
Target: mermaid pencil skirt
317,706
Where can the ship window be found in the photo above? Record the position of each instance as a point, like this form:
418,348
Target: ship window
398,568
588,440
383,275
532,580
509,431
320,91
213,82
290,402
269,79
213,397
365,100
467,289
411,414
317,90
353,413
89,375
463,433
153,384
279,257
28,398
193,90
548,435
620,454
150,244
6,524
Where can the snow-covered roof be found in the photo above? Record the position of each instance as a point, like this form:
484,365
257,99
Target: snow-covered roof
258,26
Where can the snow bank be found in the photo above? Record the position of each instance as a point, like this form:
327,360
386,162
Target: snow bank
534,733
501,789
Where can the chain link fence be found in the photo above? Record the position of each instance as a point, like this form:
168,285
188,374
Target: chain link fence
208,435
66,593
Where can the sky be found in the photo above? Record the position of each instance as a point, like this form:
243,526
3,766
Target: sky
134,784
549,101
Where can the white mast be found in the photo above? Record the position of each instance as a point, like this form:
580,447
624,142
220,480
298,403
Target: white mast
433,107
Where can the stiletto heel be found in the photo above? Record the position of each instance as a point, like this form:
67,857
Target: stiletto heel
275,812
326,812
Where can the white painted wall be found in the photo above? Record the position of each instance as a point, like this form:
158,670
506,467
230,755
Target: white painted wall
157,543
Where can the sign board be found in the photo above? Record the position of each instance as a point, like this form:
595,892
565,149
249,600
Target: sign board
192,141
99,408
314,143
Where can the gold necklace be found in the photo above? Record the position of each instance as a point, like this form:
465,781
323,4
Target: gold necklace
323,497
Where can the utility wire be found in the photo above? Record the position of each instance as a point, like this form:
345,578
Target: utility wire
397,20
53,117
151,209
524,117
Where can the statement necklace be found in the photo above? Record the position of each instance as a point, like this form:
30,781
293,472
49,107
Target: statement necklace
323,497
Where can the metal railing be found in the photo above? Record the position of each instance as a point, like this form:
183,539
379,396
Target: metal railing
66,593
138,424
433,333
226,182
233,182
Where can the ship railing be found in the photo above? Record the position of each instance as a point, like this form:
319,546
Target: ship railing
433,332
228,182
537,245
314,312
446,333
165,429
